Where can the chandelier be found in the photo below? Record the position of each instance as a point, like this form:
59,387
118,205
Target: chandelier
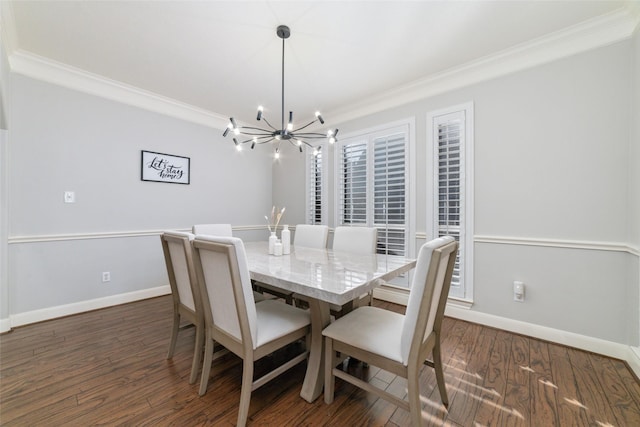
295,136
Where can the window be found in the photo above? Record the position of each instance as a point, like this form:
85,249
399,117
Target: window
316,189
372,185
450,203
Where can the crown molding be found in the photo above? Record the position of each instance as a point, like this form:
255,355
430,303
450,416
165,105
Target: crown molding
44,69
601,31
591,34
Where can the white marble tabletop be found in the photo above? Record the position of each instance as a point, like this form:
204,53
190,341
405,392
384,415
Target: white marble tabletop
324,276
335,277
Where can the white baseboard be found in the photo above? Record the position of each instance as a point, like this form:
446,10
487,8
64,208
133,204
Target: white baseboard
634,360
82,306
583,342
5,325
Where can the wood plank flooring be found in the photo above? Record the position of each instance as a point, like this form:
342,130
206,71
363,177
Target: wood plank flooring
108,367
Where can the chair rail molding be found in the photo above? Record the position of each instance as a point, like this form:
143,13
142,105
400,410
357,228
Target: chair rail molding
559,243
552,243
12,240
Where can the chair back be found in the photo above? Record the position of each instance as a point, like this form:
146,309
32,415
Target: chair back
360,240
225,285
428,295
176,247
213,229
311,236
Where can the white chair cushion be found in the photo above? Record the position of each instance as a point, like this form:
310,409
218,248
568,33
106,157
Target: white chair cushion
370,328
275,320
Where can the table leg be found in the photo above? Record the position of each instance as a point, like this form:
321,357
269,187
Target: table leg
314,378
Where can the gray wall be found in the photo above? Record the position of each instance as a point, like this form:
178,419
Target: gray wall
551,163
634,190
66,140
4,162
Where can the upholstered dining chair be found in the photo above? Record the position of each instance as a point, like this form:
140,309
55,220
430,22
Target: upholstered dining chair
356,240
225,231
182,279
311,236
394,342
250,330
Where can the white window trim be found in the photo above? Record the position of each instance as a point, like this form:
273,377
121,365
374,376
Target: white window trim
469,189
410,174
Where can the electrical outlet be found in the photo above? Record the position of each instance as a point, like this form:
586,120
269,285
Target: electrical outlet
106,276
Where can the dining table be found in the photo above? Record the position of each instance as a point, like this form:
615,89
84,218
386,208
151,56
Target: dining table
322,277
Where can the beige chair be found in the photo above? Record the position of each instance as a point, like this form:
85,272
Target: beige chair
213,229
356,240
311,236
182,279
394,342
223,230
232,319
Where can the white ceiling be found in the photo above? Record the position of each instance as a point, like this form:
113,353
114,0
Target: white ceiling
224,56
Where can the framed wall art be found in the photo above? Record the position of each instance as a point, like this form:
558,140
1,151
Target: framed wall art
160,167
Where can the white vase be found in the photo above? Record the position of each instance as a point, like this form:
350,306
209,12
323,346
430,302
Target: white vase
272,241
286,240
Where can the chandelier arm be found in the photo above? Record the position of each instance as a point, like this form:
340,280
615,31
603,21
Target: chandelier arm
264,142
267,122
314,135
305,126
301,141
263,131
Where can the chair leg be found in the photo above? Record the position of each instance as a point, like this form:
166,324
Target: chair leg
174,334
329,379
437,366
245,393
197,354
413,393
206,366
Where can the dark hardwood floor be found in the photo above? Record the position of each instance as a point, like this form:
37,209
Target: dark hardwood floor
108,367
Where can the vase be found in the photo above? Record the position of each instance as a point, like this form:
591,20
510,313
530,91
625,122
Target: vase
272,241
286,240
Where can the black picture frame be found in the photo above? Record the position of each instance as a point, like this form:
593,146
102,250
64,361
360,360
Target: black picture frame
162,167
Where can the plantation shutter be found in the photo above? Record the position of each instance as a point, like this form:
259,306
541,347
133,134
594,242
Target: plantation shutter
389,185
450,188
315,189
352,197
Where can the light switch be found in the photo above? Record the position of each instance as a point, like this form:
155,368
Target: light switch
69,197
